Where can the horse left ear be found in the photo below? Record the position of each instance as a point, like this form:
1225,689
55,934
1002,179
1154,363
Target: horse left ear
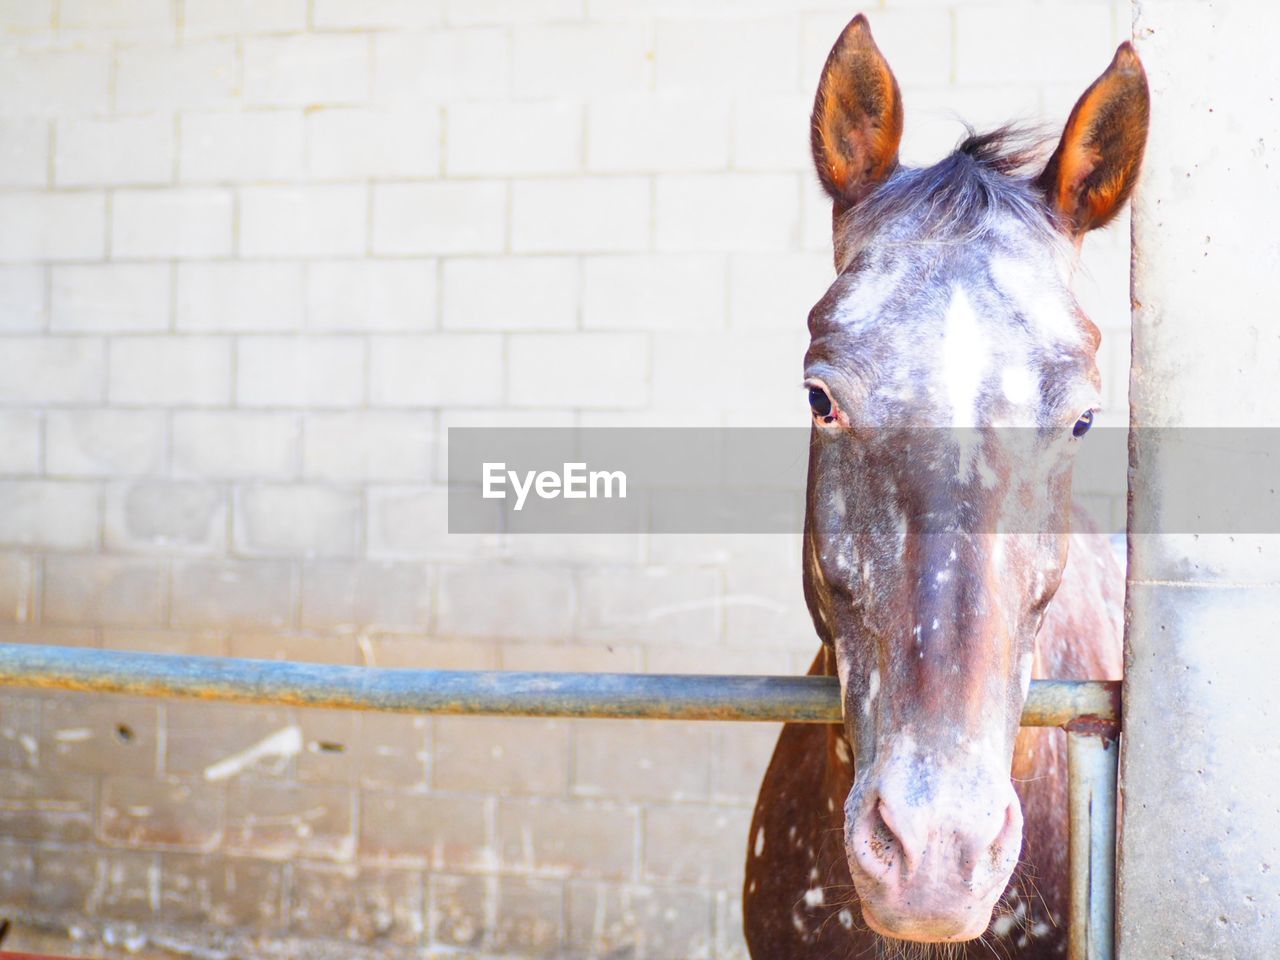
1092,173
857,117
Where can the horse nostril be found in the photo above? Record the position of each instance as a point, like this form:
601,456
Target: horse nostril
997,854
890,840
1010,836
881,840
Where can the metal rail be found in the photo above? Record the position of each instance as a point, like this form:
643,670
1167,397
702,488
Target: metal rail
1088,710
1051,703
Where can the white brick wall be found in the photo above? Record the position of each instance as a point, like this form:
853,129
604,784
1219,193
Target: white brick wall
371,295
726,212
433,371
53,370
325,221
21,298
359,142
227,295
510,293
232,445
123,151
163,77
109,297
40,81
24,151
300,371
303,69
429,218
643,133
104,442
368,447
441,66
649,292
52,226
160,224
19,442
230,147
486,139
589,214
257,256
169,371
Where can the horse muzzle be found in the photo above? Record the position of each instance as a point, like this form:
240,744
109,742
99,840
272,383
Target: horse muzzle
929,863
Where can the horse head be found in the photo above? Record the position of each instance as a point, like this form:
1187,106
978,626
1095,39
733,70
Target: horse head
951,375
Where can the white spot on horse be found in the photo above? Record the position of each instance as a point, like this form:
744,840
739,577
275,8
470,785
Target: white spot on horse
873,683
934,626
815,566
815,897
845,917
986,476
842,752
1003,926
863,303
1018,384
752,887
942,576
760,842
1024,673
1041,929
966,354
837,502
1024,283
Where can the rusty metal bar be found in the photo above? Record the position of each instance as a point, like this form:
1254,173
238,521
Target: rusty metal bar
1092,759
621,695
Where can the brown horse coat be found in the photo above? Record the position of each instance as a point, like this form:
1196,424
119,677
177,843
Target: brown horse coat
799,902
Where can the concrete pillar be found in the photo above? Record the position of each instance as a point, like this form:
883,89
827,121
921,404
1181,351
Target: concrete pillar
1199,870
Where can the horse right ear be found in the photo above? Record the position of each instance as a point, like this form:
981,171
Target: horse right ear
1092,173
857,117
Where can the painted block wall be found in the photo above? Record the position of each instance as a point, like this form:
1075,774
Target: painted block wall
255,259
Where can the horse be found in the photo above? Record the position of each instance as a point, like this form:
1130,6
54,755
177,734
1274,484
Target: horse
951,378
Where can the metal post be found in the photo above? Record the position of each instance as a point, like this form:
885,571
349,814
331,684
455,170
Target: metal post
1091,764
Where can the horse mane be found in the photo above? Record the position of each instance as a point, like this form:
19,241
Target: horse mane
967,196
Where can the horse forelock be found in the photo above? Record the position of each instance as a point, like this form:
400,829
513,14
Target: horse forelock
973,194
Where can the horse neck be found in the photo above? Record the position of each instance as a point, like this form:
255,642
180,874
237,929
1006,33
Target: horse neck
1082,634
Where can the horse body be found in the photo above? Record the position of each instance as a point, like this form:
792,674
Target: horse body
951,377
799,899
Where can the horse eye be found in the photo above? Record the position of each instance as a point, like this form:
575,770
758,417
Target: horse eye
819,402
1083,424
